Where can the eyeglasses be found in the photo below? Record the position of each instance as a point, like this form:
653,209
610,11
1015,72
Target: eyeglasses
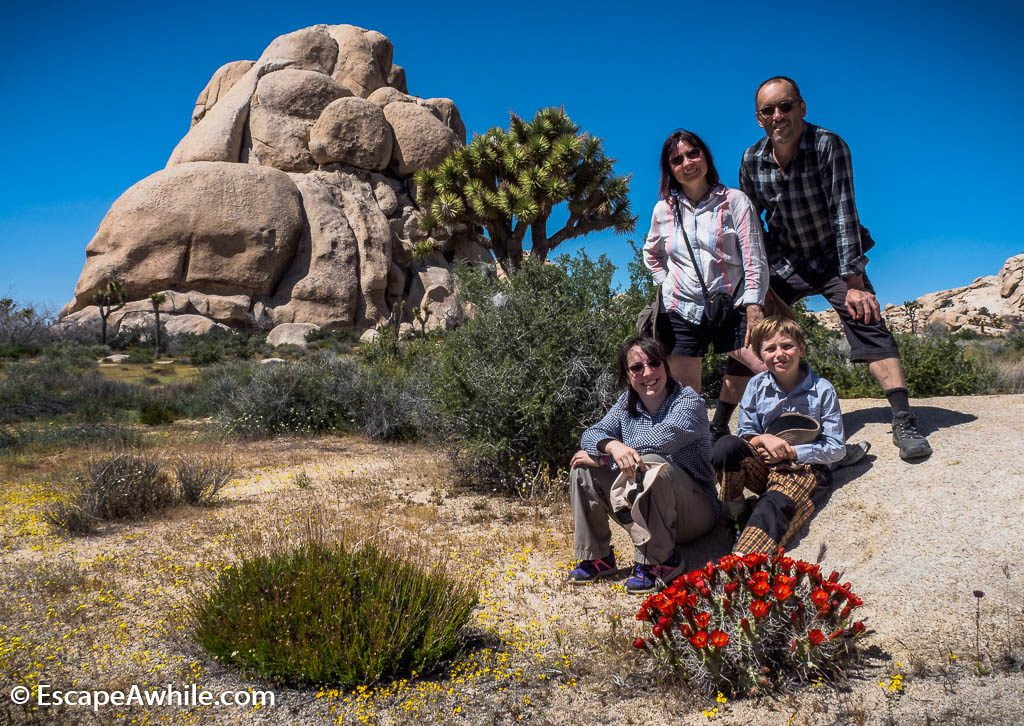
638,368
692,153
768,110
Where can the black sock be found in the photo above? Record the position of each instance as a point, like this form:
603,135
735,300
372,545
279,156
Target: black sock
723,412
899,400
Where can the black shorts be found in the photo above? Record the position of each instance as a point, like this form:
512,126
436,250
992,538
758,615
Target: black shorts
681,337
868,341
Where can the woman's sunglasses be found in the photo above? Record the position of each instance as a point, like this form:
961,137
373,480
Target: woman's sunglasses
769,110
638,368
694,153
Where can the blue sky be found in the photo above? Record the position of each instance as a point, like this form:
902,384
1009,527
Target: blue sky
928,95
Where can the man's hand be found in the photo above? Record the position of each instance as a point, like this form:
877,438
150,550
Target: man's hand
626,458
773,449
582,458
861,304
755,314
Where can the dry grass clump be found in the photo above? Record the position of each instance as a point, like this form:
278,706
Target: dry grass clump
124,485
201,477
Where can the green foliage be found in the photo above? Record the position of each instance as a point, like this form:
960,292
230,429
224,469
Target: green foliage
61,384
509,182
338,340
515,383
201,477
333,615
219,345
64,436
125,485
158,410
24,330
313,395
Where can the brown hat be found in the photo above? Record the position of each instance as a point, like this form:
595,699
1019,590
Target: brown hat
794,428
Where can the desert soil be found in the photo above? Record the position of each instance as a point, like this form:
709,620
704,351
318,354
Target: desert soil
916,541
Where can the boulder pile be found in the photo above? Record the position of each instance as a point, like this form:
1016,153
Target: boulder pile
289,199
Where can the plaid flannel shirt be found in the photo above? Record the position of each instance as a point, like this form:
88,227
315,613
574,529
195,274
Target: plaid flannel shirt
813,227
678,431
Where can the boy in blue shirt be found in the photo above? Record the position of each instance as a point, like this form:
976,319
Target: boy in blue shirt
790,433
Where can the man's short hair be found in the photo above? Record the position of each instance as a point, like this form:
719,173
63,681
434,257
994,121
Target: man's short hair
776,325
787,79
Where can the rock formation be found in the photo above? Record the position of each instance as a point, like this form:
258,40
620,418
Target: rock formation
288,200
995,302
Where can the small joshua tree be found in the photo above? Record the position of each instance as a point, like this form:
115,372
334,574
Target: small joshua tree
509,182
912,307
984,317
109,298
157,299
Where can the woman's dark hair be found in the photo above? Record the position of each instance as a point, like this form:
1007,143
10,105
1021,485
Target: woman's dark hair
655,352
668,182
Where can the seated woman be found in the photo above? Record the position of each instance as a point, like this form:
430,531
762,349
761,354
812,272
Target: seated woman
655,422
790,433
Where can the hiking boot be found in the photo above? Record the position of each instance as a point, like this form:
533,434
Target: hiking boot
854,454
589,571
718,431
906,436
652,578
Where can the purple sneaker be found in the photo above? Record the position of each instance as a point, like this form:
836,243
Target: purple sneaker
588,571
653,578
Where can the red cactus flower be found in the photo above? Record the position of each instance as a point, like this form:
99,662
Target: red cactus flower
759,587
726,604
834,577
701,620
819,598
754,559
857,628
665,621
658,631
727,562
639,643
836,633
759,608
786,563
816,637
699,639
692,599
719,638
782,592
686,630
643,615
731,586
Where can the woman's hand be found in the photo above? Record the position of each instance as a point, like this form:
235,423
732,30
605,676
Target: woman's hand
626,458
755,314
773,449
582,458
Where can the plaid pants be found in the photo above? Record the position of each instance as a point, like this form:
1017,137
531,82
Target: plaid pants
787,497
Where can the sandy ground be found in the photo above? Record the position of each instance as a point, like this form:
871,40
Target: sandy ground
916,540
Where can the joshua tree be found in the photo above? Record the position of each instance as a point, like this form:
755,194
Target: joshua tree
108,298
157,299
984,317
509,182
912,306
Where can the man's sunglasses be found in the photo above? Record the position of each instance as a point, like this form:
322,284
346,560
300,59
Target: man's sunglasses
769,110
638,368
694,153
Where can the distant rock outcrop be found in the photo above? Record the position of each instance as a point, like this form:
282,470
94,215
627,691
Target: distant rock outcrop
288,200
993,302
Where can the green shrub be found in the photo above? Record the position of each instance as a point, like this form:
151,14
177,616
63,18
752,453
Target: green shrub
219,345
331,615
213,387
515,383
66,435
394,400
313,395
338,340
200,478
936,366
158,409
125,485
49,386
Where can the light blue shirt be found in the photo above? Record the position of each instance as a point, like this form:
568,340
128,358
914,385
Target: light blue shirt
764,401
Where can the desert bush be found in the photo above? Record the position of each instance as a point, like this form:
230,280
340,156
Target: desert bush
124,485
753,624
66,435
201,477
209,392
52,385
313,395
515,383
323,614
24,330
338,340
157,410
219,345
392,390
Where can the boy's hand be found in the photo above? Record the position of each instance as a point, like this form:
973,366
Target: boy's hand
582,458
773,449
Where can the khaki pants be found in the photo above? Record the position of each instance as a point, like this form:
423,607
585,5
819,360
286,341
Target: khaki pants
676,510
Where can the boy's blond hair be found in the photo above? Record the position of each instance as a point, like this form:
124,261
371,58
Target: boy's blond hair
776,325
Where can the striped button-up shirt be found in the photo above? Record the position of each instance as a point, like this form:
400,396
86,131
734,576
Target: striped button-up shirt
725,233
678,431
813,227
764,401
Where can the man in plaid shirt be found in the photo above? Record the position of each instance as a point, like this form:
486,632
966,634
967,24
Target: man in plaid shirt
801,177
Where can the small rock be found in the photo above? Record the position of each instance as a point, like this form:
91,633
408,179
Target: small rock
291,334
